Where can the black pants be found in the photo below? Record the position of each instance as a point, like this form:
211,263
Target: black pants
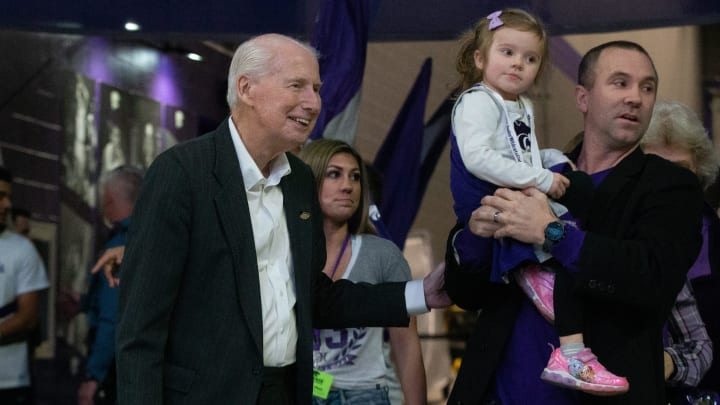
278,386
568,309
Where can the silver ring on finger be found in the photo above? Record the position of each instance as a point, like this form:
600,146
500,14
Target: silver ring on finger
496,215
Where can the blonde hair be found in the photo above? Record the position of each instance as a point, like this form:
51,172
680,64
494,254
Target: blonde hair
317,155
674,124
480,38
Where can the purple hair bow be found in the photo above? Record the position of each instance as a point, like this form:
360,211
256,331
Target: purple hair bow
495,20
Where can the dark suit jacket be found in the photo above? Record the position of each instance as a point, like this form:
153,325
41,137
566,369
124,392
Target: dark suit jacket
643,234
190,326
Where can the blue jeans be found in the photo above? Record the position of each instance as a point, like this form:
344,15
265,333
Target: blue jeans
370,396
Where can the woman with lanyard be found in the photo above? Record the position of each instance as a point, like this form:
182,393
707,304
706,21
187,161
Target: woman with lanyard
353,356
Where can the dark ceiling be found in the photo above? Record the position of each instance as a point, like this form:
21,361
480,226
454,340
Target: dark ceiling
414,20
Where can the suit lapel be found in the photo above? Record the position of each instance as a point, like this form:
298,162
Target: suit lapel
234,218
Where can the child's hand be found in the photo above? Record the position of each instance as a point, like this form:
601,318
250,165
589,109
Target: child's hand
559,186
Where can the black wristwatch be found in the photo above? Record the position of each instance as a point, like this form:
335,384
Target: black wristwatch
554,232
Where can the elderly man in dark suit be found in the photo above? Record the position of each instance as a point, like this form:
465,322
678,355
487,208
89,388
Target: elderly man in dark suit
221,281
628,252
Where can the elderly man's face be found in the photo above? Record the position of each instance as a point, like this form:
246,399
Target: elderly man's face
287,101
619,105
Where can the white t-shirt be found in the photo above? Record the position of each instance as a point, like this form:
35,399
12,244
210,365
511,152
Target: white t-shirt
21,271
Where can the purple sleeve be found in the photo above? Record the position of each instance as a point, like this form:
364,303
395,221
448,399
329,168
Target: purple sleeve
467,251
567,251
689,345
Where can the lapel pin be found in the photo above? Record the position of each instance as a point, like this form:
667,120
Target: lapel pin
304,215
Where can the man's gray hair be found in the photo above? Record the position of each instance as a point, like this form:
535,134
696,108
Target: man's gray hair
254,58
124,181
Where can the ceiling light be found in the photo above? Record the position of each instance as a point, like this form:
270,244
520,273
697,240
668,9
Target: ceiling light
194,56
132,26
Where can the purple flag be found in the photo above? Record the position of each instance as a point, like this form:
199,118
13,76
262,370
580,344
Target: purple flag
399,161
340,36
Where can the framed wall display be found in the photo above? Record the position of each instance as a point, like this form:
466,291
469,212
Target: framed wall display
145,136
180,125
81,139
115,123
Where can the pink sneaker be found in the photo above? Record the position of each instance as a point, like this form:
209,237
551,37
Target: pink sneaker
538,284
583,372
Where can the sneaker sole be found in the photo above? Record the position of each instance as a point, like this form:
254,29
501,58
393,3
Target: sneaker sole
563,379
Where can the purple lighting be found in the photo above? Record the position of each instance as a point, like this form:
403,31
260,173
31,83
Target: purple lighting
164,87
96,66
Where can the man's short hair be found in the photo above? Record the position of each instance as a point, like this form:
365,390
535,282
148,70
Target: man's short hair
254,58
125,180
19,212
586,70
5,175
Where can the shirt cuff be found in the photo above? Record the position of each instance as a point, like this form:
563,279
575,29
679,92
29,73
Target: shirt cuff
415,298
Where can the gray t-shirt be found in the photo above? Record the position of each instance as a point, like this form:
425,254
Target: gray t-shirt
354,355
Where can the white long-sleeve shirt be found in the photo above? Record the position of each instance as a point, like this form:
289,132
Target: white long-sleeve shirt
481,134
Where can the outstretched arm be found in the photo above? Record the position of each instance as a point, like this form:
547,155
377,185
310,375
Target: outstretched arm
109,262
434,287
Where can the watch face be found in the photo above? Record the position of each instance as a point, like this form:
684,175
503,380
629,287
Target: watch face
554,231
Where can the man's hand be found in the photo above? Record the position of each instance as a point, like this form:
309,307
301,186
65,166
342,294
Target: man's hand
521,215
559,186
110,262
485,221
669,365
86,392
434,287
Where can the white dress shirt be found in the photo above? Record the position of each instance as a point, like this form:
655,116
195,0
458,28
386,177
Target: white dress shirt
272,245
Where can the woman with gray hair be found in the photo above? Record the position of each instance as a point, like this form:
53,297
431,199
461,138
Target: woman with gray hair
677,134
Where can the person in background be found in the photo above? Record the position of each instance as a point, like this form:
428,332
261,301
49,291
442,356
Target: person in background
22,279
222,279
120,188
21,221
354,356
691,357
629,255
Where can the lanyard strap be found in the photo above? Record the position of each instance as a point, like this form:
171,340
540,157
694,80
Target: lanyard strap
342,251
510,133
